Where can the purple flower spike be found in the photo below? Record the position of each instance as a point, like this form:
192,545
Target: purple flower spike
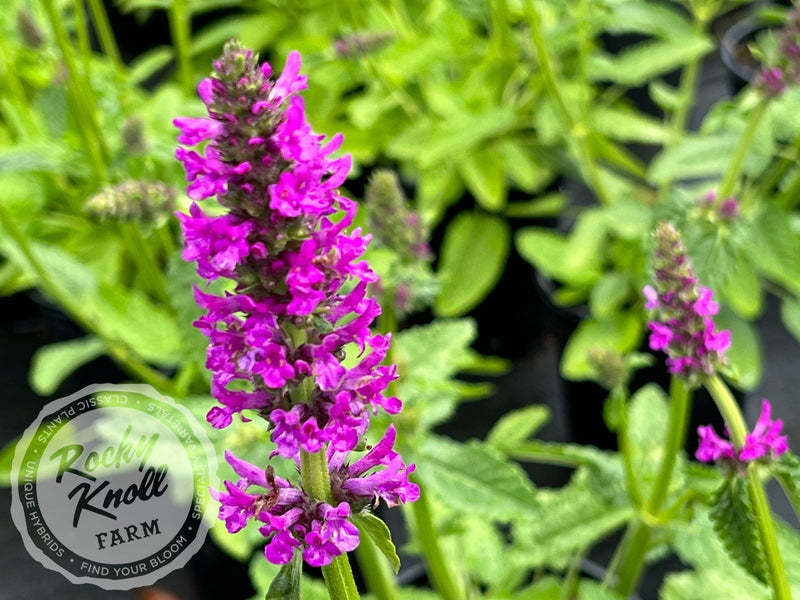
682,326
299,297
764,441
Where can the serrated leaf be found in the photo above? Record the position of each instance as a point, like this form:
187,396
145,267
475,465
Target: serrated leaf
474,253
286,584
735,525
565,520
53,363
787,471
471,475
379,533
517,426
695,585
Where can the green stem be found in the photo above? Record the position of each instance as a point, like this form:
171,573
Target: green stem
118,350
142,254
626,566
81,98
82,30
578,132
317,483
180,27
105,33
734,170
376,571
766,530
686,99
727,406
435,562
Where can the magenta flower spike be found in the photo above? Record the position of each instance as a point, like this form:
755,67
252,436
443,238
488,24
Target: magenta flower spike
682,326
764,441
299,296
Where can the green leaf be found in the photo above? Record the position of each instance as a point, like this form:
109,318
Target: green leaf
736,526
744,355
648,418
594,590
484,176
790,316
629,126
473,475
619,332
695,585
549,205
695,156
474,253
150,331
773,247
286,585
521,166
517,426
565,521
787,471
665,96
742,291
427,143
149,63
263,573
638,65
53,363
7,461
547,588
379,533
609,294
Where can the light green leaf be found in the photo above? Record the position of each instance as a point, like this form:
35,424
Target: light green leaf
148,63
665,96
695,156
7,461
629,126
547,588
53,363
379,533
744,355
638,65
648,417
790,316
773,248
608,294
470,475
565,520
474,253
517,426
787,471
695,585
521,166
427,143
594,590
619,332
742,291
438,188
484,176
549,205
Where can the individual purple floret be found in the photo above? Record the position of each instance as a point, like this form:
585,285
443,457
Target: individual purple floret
682,326
765,440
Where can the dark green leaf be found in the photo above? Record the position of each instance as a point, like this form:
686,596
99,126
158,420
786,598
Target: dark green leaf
379,533
286,585
736,527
